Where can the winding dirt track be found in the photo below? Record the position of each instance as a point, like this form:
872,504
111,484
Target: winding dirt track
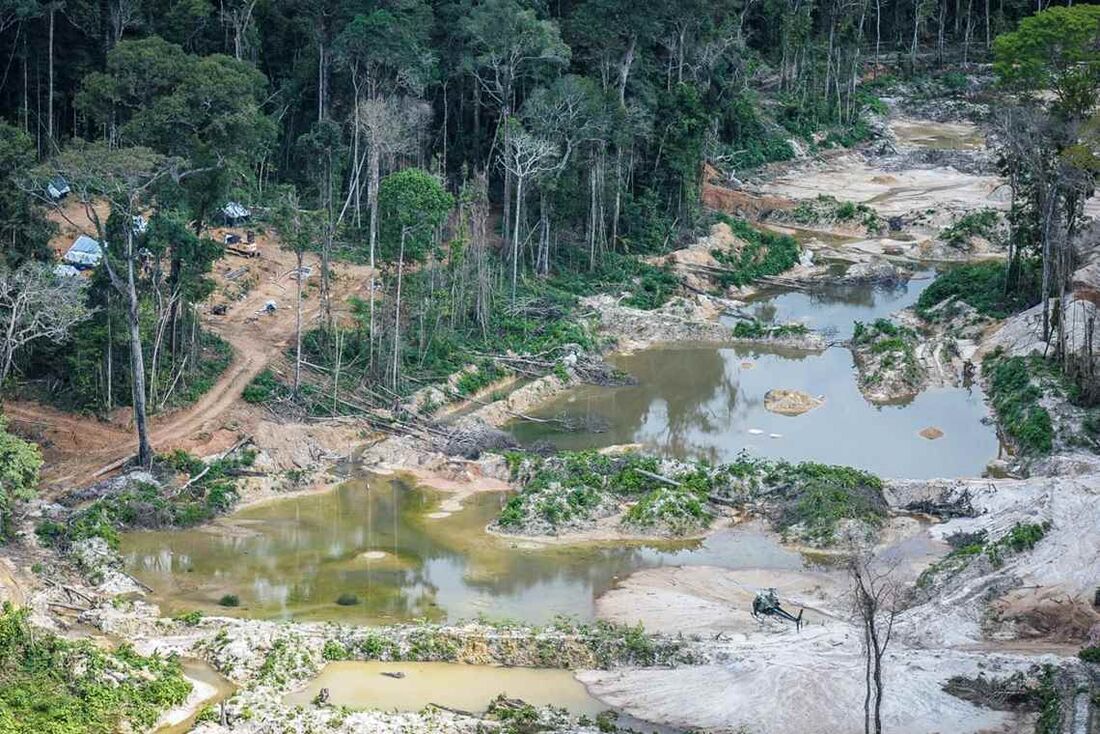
75,447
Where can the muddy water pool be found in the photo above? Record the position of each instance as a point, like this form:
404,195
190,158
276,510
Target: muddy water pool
708,402
938,135
412,686
383,544
376,540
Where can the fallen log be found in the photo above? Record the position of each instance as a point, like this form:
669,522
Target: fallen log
114,465
658,478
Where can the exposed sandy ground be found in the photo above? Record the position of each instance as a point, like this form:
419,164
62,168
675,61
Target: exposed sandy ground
972,622
712,601
808,682
850,177
11,591
75,446
958,135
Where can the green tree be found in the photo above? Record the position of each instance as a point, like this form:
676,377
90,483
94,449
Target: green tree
126,179
1057,49
24,232
19,465
207,110
508,43
412,205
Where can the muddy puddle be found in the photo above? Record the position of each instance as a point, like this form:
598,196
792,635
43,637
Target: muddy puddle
376,543
209,685
707,402
938,135
413,686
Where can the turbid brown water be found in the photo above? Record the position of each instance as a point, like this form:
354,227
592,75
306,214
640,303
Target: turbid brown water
364,685
384,545
938,135
376,540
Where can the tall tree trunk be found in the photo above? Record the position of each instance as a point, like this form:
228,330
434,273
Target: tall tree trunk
397,313
515,237
322,78
49,95
110,350
374,163
298,328
137,357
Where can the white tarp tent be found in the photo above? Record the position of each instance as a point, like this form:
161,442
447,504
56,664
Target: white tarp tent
235,212
85,253
57,188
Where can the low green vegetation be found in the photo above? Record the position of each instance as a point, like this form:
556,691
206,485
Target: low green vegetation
229,600
981,223
213,359
649,286
764,253
1048,698
192,492
476,379
966,548
48,684
757,329
811,501
190,619
1090,654
521,719
19,465
675,510
1016,385
544,317
886,354
982,286
827,209
564,643
334,650
573,489
264,388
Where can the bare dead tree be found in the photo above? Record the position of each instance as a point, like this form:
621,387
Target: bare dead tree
526,158
238,16
36,304
389,127
876,602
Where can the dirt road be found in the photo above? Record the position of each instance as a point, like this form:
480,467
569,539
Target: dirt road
75,447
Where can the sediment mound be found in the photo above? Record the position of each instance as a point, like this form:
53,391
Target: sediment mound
790,402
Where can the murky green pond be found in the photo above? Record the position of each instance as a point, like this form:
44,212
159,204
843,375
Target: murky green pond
375,539
708,402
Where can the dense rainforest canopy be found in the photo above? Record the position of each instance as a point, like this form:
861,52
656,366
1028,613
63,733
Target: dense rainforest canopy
482,142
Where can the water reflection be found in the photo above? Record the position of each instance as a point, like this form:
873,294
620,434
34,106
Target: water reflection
375,540
833,309
718,416
706,402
